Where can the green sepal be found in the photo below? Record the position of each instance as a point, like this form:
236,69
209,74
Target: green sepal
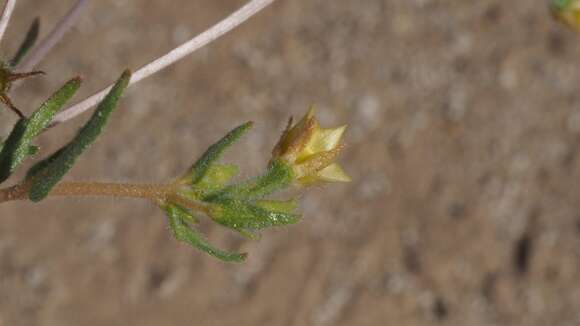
17,146
27,43
278,176
214,152
177,217
47,173
237,214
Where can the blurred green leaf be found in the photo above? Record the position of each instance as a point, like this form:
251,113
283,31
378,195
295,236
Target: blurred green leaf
17,146
27,43
182,232
213,153
47,173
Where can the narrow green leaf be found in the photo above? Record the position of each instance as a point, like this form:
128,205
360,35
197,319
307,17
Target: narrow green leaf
27,43
43,116
213,153
17,146
47,173
32,150
177,217
39,166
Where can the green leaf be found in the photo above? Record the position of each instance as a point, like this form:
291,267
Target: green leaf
47,173
17,146
32,150
213,153
278,176
182,232
27,43
242,215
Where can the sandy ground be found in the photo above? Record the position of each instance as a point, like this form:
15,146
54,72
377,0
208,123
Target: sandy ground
464,130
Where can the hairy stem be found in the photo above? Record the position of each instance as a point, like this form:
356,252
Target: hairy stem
154,192
6,14
199,41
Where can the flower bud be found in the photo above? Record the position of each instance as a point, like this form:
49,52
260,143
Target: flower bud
311,151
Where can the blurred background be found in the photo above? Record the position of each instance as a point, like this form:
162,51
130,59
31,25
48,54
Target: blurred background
464,122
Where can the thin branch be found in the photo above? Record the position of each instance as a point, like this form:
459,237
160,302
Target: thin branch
154,192
157,193
40,51
219,29
6,14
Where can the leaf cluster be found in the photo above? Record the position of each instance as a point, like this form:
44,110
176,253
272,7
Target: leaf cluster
239,206
44,175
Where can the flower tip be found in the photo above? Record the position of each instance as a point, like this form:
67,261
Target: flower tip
340,130
334,173
310,113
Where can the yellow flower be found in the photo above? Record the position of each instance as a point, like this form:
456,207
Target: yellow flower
311,151
567,12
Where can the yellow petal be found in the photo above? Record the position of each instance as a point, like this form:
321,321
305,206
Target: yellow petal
333,173
316,162
325,139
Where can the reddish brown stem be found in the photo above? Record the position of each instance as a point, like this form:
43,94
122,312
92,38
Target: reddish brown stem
154,192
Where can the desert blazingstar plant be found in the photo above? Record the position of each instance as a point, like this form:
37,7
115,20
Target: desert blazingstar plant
304,155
